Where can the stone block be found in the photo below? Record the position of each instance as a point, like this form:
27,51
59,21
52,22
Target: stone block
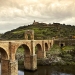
30,62
9,68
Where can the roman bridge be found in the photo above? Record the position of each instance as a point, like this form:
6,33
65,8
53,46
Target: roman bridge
8,49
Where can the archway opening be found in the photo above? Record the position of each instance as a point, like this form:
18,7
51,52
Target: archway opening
29,37
3,54
61,45
3,57
46,47
38,51
22,52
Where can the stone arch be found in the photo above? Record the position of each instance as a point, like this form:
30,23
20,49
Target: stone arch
26,56
29,34
4,61
26,49
46,47
38,50
4,55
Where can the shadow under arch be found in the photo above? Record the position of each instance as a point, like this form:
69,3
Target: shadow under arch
26,49
3,62
21,54
46,47
38,51
3,54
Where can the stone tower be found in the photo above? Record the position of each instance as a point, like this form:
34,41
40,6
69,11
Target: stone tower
30,33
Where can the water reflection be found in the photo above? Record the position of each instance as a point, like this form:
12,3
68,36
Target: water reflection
51,70
20,72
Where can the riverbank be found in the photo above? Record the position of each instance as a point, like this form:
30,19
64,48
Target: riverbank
59,56
54,61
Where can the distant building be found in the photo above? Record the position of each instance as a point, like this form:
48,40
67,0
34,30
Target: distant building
46,25
35,23
56,24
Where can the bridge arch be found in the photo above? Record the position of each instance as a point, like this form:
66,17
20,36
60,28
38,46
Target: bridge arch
25,55
46,47
26,49
38,50
4,60
4,55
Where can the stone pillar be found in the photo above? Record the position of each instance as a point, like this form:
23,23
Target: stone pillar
30,62
9,68
13,68
41,54
4,67
26,37
43,48
49,46
52,42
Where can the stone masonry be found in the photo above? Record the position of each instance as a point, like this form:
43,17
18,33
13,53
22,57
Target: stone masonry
8,49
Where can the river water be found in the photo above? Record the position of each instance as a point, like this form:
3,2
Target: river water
50,70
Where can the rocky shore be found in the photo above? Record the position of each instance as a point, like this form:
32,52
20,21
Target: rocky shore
52,60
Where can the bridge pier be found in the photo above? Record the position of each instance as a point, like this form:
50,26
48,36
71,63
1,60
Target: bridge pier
9,67
30,62
41,54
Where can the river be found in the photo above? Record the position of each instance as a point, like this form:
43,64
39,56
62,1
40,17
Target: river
50,70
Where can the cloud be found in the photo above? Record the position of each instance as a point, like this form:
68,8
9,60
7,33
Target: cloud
25,11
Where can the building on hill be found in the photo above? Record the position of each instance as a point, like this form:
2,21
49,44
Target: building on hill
56,24
41,24
46,25
35,23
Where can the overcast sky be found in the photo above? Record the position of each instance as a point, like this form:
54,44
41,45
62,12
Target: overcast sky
15,13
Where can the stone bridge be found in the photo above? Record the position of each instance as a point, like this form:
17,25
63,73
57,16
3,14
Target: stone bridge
8,49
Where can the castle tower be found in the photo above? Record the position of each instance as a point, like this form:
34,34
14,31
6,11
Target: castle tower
35,23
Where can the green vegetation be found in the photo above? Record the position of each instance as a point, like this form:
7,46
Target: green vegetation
20,55
55,56
20,50
66,55
54,50
42,31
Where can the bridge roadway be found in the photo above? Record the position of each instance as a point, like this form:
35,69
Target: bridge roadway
8,49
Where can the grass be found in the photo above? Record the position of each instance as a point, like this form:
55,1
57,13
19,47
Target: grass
20,31
54,50
68,48
67,54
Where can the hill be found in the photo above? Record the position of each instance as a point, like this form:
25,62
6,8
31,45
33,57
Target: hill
42,31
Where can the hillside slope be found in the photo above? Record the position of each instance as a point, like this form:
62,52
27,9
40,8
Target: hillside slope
42,31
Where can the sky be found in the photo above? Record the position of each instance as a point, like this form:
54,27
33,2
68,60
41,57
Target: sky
15,13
